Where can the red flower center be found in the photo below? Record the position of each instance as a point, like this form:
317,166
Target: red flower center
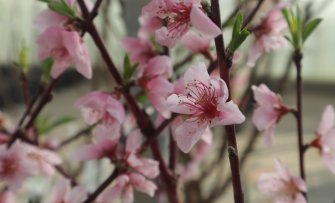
179,23
203,99
8,166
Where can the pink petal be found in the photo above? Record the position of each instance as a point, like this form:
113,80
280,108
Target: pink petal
134,141
163,37
264,96
197,72
115,108
159,65
255,52
188,134
87,152
207,136
176,103
195,42
270,184
203,23
282,171
48,18
327,120
264,117
59,67
300,183
328,158
148,167
229,113
268,134
78,52
142,185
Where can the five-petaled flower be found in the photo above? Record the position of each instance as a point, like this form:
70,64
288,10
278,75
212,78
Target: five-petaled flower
205,103
325,138
269,34
282,185
268,112
180,16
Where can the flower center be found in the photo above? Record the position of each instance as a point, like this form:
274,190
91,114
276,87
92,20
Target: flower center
179,22
8,167
203,100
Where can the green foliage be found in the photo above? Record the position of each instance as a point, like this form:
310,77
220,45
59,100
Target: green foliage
299,30
24,59
45,125
61,7
46,68
128,68
239,35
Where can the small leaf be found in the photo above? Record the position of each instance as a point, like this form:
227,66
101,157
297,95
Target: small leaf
62,8
46,68
24,59
44,125
310,27
128,68
238,35
142,98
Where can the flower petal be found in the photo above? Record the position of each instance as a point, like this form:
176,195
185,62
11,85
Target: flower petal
203,23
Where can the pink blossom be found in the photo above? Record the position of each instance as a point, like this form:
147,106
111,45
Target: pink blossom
99,106
7,196
282,186
123,188
325,138
195,42
65,47
156,67
63,193
45,160
269,110
14,165
269,34
204,101
105,145
145,166
49,18
140,50
159,89
148,26
180,15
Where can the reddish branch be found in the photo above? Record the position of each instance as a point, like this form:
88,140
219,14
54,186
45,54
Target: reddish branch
225,63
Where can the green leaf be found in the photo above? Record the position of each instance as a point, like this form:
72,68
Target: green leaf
46,68
44,125
128,68
310,27
238,35
24,59
62,8
142,98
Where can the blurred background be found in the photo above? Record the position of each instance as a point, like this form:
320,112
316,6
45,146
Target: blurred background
120,18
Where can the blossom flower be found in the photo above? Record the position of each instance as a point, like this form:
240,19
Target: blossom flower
66,48
204,101
99,106
105,145
63,193
148,25
44,159
156,67
145,166
14,165
269,34
195,42
123,188
325,138
282,186
158,90
180,15
269,110
140,50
